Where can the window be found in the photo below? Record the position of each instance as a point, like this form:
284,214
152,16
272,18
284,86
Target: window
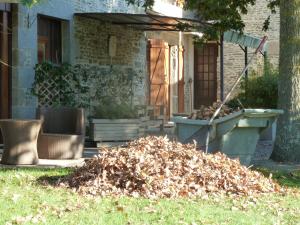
49,40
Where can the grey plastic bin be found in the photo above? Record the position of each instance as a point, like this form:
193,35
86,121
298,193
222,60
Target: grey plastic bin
236,135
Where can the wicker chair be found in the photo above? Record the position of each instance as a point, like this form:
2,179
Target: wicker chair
20,141
62,134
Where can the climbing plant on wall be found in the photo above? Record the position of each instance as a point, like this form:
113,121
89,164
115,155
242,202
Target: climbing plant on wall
59,85
84,86
116,85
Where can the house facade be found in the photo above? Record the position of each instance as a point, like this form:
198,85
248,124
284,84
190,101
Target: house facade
234,56
108,36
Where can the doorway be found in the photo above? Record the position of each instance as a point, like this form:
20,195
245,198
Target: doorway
166,77
176,79
158,62
205,75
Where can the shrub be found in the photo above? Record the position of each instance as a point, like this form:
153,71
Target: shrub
112,110
261,91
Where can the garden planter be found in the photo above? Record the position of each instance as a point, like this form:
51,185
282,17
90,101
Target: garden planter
116,129
236,135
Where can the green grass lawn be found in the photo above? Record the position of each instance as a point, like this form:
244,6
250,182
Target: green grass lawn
24,200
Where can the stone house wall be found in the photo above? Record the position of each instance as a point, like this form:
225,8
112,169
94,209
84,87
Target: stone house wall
85,41
92,37
234,58
86,49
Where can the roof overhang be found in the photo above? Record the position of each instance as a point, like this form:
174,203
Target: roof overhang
146,22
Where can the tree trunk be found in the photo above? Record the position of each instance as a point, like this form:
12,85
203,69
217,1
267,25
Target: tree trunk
287,144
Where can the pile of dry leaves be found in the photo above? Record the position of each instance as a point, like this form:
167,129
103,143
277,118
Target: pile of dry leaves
206,112
156,167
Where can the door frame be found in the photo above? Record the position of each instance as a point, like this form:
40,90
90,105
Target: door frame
5,65
6,56
180,80
215,72
171,82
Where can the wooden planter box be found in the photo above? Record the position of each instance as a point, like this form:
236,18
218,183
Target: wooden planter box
116,130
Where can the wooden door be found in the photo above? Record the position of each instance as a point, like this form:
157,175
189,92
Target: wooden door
158,75
205,75
5,55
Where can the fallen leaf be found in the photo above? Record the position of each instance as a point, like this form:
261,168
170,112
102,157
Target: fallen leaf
120,208
155,167
16,197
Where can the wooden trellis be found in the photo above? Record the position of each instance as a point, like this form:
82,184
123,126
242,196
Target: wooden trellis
49,91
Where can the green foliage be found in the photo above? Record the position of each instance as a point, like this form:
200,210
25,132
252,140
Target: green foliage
144,3
112,110
272,4
63,81
114,94
284,178
107,92
116,85
223,15
261,91
30,3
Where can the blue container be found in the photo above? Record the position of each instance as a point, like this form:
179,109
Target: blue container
235,135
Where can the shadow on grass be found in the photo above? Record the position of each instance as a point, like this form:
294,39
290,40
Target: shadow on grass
44,176
50,180
287,179
35,169
52,176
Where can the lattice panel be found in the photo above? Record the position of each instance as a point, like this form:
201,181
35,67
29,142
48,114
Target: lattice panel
50,91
